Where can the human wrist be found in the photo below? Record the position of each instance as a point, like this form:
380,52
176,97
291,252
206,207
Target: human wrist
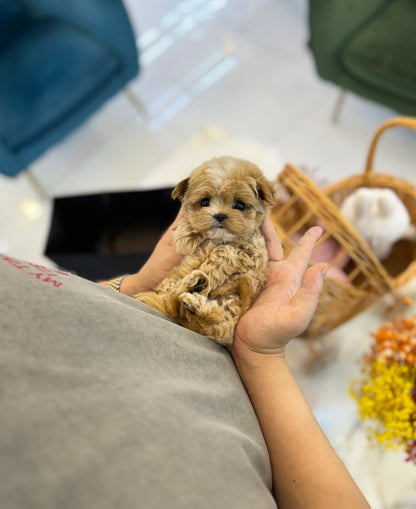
132,284
113,284
247,358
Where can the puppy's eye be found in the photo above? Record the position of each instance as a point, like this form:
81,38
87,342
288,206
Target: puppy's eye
239,205
205,202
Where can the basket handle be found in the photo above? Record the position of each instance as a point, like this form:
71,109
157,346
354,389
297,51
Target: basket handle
394,122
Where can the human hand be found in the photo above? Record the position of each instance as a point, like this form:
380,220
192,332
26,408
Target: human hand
286,304
163,258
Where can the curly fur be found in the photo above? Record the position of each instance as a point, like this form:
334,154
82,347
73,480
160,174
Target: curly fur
224,202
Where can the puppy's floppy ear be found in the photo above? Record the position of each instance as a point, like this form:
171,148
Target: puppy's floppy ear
180,189
264,190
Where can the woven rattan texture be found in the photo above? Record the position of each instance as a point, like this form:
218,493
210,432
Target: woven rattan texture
300,204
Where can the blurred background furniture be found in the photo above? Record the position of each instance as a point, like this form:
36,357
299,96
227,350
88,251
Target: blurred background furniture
367,47
98,235
60,60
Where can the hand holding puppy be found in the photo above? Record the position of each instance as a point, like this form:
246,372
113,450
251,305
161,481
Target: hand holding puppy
288,300
162,260
275,317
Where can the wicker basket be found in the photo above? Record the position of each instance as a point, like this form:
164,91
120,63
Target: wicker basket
300,204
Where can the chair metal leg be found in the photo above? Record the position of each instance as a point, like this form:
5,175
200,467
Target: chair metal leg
36,185
338,105
135,101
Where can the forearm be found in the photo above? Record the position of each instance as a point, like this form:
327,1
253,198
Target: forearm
307,473
148,277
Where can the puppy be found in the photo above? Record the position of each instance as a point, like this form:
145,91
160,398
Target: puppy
224,202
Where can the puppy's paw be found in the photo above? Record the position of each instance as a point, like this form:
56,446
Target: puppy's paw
198,282
189,301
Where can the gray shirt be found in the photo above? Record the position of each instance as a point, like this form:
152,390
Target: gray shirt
105,403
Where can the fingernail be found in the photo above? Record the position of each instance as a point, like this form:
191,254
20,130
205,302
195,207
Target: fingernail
319,229
314,230
324,272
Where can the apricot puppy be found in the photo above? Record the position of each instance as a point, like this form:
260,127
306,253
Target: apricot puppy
224,202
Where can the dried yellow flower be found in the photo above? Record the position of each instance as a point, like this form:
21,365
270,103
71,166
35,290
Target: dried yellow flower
386,393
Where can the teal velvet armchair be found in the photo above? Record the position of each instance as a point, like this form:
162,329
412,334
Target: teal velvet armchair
60,60
367,47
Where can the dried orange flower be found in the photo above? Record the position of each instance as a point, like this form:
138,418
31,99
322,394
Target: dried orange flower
386,394
396,341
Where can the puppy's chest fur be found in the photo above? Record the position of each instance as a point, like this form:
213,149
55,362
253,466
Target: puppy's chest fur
224,265
213,287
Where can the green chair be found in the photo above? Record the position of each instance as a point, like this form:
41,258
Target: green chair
367,47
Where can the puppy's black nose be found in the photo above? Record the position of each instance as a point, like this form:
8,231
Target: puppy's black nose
220,217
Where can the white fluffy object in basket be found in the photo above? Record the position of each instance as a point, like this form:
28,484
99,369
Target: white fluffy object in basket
380,218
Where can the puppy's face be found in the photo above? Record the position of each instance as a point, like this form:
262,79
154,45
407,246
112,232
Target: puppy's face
225,199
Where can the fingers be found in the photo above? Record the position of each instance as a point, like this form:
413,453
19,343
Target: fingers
167,238
175,223
307,297
313,279
288,273
274,246
302,252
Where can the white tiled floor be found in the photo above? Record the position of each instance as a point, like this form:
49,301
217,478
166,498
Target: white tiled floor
232,76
